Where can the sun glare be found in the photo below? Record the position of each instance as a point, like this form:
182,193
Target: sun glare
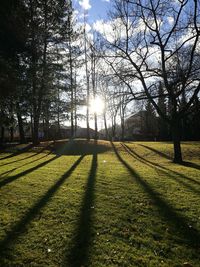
97,105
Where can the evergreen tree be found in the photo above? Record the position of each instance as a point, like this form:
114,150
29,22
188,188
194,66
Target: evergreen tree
162,125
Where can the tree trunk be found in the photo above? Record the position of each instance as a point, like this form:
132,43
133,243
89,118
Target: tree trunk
58,125
2,135
72,89
11,134
96,127
87,80
123,130
36,130
176,141
75,105
46,128
105,125
113,131
21,126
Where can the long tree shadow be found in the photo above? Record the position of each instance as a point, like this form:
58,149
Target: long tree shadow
79,253
27,157
79,147
10,179
179,223
21,227
150,163
18,152
191,165
157,152
185,163
169,173
9,171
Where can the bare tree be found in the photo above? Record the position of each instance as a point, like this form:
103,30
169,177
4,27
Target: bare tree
87,79
94,82
146,47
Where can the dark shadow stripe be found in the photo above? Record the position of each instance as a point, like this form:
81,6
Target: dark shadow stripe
190,236
157,152
185,163
161,168
21,226
79,253
21,151
33,155
21,174
30,156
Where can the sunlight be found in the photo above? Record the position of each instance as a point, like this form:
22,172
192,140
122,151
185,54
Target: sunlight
97,105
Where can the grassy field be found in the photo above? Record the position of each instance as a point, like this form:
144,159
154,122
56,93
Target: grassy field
79,204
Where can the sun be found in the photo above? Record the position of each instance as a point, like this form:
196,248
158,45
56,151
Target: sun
97,105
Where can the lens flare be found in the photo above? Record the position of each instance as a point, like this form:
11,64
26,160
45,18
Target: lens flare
97,105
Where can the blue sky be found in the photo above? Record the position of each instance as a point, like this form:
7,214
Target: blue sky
96,9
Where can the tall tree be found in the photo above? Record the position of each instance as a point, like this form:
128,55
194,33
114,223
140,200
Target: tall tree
13,43
162,124
147,41
47,27
87,79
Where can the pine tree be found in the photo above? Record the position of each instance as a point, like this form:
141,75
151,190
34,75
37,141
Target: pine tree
162,125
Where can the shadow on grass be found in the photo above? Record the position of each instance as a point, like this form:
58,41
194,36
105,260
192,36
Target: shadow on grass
35,154
185,163
78,147
79,253
180,225
7,163
18,152
158,152
191,165
169,173
7,172
161,168
21,227
4,173
10,179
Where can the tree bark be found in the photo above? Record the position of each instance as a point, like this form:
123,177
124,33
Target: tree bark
36,130
87,81
11,134
176,141
96,127
105,125
21,126
75,104
123,130
2,135
71,87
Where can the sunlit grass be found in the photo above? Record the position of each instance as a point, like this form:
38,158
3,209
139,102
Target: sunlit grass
82,204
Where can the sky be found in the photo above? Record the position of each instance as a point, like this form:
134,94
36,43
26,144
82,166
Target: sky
95,9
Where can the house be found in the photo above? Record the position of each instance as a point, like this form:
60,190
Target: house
82,133
141,126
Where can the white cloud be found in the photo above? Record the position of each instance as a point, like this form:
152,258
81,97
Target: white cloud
115,29
170,20
85,4
106,1
81,25
111,30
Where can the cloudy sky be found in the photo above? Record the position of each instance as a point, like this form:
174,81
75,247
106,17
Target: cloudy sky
95,9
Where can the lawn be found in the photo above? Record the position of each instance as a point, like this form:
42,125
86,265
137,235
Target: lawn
80,203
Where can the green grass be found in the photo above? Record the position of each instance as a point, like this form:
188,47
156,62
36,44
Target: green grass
83,204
